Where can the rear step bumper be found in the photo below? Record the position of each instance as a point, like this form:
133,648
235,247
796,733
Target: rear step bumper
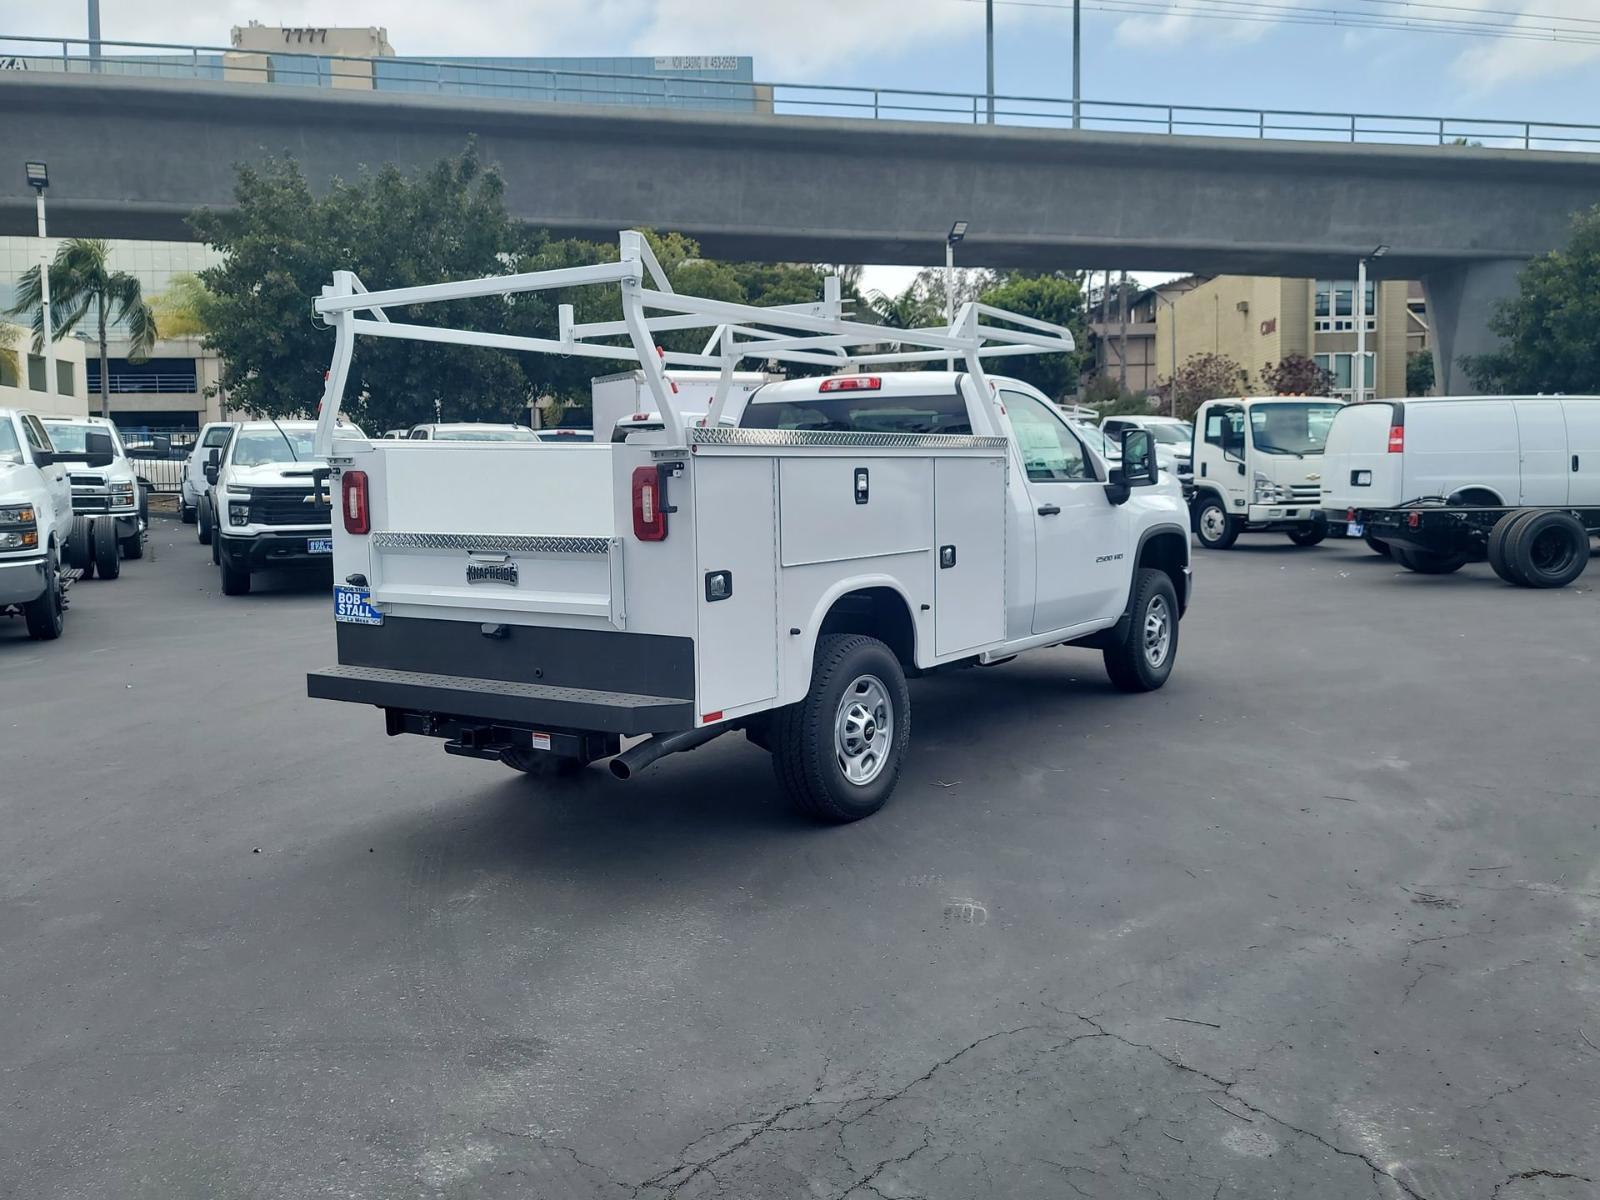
533,705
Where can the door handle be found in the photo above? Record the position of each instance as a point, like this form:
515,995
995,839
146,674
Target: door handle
1574,462
1049,510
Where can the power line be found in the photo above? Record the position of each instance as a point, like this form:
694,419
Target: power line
1263,12
1486,12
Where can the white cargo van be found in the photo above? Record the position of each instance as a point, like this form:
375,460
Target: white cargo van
1435,480
1258,468
780,566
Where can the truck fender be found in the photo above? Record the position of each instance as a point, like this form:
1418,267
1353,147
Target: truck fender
1119,631
856,583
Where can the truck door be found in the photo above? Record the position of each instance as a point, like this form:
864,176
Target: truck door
1583,451
1081,572
1220,440
1543,435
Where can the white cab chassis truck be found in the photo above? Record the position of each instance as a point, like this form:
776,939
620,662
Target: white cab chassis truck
780,566
36,520
110,502
1441,481
1257,465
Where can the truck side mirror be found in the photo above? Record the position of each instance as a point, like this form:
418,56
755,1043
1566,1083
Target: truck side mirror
212,458
1139,468
98,449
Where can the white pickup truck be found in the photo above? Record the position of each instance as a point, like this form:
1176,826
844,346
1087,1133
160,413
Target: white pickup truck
109,498
781,566
36,520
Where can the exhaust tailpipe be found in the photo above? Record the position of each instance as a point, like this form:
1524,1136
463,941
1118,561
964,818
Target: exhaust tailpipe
630,762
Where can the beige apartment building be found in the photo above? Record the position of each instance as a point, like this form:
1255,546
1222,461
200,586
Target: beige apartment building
1258,320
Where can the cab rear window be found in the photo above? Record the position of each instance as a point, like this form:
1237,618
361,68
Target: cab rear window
861,414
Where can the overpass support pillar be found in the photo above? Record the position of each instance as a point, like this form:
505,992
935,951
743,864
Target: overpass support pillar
1460,301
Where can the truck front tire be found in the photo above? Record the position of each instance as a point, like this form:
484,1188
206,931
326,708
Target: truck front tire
204,522
107,561
46,614
838,752
1142,659
1309,537
1428,562
133,544
234,581
1212,524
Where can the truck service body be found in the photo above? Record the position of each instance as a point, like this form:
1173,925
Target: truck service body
778,565
1441,481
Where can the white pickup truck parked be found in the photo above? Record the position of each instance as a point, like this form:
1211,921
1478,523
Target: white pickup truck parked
109,498
36,520
779,567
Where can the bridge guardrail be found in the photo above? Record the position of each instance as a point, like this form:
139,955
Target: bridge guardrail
284,68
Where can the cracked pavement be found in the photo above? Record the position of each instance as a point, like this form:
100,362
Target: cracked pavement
1317,920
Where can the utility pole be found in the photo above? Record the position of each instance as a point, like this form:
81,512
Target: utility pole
1358,381
38,176
958,230
94,35
1077,63
988,29
1122,336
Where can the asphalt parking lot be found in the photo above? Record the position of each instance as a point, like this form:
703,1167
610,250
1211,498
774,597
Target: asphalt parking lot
1317,920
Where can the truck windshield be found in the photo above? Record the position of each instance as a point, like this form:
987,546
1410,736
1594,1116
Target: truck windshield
1292,428
874,414
71,438
257,447
1173,433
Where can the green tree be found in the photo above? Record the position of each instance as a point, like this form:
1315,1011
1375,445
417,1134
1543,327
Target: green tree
1419,373
910,309
81,283
1296,375
1203,377
1550,331
1054,298
181,310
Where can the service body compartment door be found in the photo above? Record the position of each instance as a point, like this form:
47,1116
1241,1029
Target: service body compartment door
970,563
736,545
838,507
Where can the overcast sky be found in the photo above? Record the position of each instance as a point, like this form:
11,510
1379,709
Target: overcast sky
1273,60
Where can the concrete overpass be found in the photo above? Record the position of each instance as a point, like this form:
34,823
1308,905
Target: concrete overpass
131,157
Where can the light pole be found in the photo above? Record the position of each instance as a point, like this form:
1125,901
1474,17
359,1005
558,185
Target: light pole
957,232
38,176
94,35
1359,382
1077,63
988,31
1172,341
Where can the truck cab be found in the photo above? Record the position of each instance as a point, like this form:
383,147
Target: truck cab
36,520
269,502
1257,463
110,499
213,436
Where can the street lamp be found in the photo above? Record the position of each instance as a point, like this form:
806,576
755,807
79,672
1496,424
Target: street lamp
1359,382
38,177
957,232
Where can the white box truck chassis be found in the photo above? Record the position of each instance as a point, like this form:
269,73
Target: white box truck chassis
536,606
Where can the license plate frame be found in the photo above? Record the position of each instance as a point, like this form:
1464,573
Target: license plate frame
353,606
319,545
1355,529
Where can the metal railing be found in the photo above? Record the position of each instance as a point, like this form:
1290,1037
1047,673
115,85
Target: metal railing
545,84
159,455
161,383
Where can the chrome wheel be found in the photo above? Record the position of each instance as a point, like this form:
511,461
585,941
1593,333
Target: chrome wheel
1157,631
863,729
1213,523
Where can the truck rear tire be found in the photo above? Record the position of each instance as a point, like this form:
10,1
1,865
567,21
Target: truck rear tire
234,581
1308,537
107,561
1378,546
187,513
1499,538
46,614
1547,549
838,752
541,764
1212,524
1428,562
203,520
80,548
1143,659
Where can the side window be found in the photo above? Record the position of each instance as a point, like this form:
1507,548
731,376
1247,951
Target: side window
1049,450
1225,428
37,437
1112,428
419,435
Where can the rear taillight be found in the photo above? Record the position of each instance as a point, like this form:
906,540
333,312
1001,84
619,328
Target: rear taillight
1397,439
649,506
852,383
353,502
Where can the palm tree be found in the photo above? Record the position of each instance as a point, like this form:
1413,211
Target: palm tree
79,282
911,309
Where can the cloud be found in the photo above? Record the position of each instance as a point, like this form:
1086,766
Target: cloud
1488,63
